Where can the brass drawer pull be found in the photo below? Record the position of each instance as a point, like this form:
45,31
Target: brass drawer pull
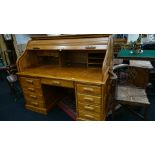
90,47
33,96
88,89
89,116
36,48
34,103
89,108
31,89
89,99
29,81
56,82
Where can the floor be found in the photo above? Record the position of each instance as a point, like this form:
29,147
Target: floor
11,110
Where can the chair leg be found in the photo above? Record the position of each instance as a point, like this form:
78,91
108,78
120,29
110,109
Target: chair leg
146,107
113,111
1,76
13,90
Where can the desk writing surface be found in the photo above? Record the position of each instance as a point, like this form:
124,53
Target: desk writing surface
147,54
83,74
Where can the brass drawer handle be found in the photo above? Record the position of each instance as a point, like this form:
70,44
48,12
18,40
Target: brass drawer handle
29,81
89,108
89,116
88,89
31,89
90,47
56,82
88,99
33,96
36,48
34,103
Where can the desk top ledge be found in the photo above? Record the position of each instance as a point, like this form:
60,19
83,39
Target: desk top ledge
65,36
78,74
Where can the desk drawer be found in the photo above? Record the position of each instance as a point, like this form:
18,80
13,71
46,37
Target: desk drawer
30,82
89,89
32,90
32,99
57,82
85,115
87,99
34,103
88,107
33,94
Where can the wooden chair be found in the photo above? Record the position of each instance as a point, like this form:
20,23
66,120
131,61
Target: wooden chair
12,80
138,69
3,70
126,94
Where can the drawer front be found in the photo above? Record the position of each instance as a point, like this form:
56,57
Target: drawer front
85,115
33,100
33,96
89,89
30,82
91,100
56,82
34,103
89,108
32,90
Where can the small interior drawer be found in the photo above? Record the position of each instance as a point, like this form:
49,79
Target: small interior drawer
57,82
87,99
89,89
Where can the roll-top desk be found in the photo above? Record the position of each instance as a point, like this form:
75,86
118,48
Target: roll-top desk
51,65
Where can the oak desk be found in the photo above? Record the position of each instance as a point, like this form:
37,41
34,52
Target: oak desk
53,65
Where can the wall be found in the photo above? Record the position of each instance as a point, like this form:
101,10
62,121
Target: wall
132,37
21,41
22,38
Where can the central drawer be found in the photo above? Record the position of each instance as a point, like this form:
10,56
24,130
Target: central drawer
57,82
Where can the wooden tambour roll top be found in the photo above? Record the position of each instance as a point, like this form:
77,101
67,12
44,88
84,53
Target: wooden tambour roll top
87,50
81,62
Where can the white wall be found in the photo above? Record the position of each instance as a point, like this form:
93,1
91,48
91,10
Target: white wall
22,38
132,37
